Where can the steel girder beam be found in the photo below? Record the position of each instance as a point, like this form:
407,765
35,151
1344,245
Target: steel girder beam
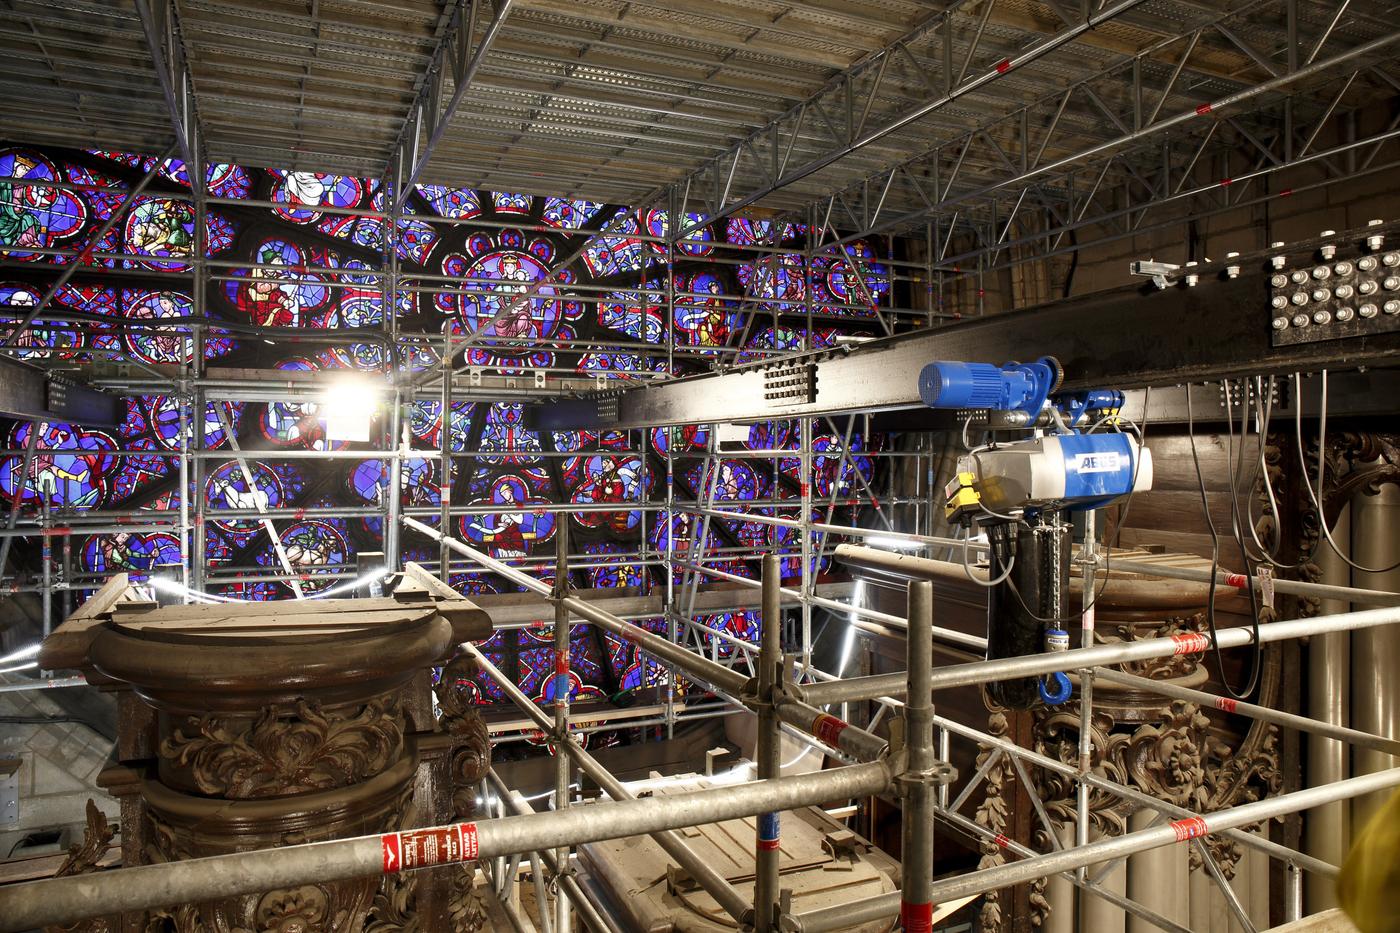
430,115
938,179
28,393
161,25
1130,217
851,97
1129,337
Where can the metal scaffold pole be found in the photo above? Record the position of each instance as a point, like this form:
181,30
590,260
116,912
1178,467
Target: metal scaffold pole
771,674
562,683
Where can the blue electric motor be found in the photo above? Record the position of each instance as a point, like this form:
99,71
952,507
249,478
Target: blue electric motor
1009,387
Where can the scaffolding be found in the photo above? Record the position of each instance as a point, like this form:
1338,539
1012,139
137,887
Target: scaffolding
1128,143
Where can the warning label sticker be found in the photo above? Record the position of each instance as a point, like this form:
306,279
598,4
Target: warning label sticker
1191,642
421,848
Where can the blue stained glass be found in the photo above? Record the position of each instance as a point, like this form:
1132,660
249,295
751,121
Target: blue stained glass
43,338
162,414
605,480
130,551
168,345
703,317
223,180
77,475
273,487
680,531
256,591
285,293
635,314
310,544
33,215
618,572
731,480
745,231
425,424
568,214
102,194
456,203
297,424
855,278
362,231
415,240
634,669
505,433
133,474
475,584
742,625
417,481
487,302
696,242
131,159
514,532
306,191
160,227
616,250
507,202
770,435
688,437
787,338
218,232
776,278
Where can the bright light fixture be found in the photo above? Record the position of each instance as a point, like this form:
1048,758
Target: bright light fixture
19,667
348,408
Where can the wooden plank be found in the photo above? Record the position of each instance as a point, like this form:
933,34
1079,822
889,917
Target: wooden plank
276,608
469,622
236,620
67,646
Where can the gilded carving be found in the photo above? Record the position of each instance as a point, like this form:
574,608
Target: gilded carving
288,751
302,909
83,858
471,750
1172,666
992,814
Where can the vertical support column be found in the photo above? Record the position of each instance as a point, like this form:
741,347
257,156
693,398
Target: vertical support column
183,402
1087,557
1375,699
445,455
769,830
46,491
393,502
808,575
390,284
192,477
1327,831
916,903
672,624
562,916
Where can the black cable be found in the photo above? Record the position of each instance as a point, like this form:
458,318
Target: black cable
1316,497
1215,569
1265,411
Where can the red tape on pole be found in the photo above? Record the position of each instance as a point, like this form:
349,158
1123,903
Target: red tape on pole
916,918
1191,642
1189,828
828,729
